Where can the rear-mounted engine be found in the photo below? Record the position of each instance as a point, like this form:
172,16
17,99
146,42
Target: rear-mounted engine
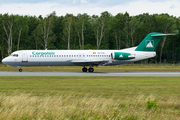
122,56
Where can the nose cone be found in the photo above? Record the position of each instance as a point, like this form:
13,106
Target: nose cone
3,61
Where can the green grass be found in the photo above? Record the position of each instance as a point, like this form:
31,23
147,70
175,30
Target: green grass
99,97
100,86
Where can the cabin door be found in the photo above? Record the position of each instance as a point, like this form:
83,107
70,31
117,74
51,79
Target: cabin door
24,57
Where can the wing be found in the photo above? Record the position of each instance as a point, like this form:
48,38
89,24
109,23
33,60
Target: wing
90,62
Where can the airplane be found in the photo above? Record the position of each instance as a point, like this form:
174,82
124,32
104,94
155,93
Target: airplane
91,58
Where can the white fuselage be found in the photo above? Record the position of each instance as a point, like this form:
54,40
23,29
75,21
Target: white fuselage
71,57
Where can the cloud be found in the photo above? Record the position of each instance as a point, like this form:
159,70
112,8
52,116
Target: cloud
133,8
79,1
172,7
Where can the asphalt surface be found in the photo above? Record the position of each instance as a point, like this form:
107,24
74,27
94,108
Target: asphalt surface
90,74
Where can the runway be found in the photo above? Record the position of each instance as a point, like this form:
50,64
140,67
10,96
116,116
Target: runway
90,74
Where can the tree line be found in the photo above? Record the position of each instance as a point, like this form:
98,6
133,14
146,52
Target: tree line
83,31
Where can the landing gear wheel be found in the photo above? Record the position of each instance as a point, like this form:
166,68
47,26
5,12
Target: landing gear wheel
20,70
91,69
84,69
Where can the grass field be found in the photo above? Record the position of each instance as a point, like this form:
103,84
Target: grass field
119,68
124,98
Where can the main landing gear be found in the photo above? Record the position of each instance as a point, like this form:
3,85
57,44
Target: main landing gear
89,70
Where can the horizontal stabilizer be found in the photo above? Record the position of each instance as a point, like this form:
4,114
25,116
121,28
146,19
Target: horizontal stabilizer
163,34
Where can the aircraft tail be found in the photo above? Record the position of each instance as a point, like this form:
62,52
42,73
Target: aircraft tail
150,42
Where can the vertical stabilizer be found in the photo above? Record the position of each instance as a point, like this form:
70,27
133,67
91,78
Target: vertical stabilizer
150,42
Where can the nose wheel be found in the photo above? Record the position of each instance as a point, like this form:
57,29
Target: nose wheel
20,70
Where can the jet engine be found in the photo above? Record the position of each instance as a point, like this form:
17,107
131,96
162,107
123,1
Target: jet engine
122,56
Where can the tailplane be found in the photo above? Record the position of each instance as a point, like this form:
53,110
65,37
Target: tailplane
150,42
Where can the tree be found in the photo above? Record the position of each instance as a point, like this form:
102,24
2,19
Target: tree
101,26
8,29
133,25
168,25
67,28
1,40
118,28
21,28
45,28
127,19
34,36
81,22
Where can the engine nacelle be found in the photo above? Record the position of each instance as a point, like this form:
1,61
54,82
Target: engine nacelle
122,56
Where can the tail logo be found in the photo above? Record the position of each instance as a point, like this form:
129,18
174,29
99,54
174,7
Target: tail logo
149,43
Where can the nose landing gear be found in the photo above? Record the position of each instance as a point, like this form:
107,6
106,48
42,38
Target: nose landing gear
20,70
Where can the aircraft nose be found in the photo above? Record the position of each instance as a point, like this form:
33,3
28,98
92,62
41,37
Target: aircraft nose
3,61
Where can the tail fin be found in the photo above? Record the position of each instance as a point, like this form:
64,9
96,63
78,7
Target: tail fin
150,42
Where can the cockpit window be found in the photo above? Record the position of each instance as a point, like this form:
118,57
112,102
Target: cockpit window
14,55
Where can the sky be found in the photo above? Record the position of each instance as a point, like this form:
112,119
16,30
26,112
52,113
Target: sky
91,7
